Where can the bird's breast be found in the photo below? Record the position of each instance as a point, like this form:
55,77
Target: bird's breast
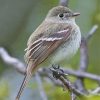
68,48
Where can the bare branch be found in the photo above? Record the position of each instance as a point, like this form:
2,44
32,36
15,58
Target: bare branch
71,88
84,58
83,64
82,74
59,74
40,86
73,96
83,55
46,72
17,64
96,91
91,32
63,2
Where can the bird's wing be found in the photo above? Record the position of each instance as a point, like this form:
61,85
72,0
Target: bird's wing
40,49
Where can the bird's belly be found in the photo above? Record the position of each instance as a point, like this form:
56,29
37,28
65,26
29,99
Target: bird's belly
66,50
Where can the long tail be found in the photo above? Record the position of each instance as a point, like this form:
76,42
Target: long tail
27,77
24,83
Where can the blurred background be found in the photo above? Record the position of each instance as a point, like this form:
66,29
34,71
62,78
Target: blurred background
18,19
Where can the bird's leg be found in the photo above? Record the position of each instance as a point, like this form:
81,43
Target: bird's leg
57,71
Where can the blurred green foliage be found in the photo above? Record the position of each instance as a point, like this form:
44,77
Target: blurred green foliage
19,18
4,89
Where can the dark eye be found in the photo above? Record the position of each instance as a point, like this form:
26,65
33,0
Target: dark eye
61,15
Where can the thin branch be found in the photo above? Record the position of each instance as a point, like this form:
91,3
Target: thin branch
91,32
73,96
84,58
40,86
82,74
96,91
72,72
83,64
45,72
83,55
17,64
63,2
71,88
59,74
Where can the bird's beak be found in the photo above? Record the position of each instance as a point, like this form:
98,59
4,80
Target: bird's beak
75,14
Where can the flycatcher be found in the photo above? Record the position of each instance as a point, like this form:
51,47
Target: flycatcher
55,40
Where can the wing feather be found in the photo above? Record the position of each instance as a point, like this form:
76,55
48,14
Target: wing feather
44,46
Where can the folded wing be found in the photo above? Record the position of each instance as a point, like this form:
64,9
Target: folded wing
40,49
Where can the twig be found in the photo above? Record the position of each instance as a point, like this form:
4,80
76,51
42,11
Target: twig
91,32
82,74
71,87
73,96
96,91
83,64
45,72
40,86
72,72
63,2
17,64
59,74
84,57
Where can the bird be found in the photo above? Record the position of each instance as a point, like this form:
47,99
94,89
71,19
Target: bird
56,39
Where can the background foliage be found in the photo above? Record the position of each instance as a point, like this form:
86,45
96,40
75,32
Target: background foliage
19,18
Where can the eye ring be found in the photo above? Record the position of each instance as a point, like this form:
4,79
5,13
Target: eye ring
61,15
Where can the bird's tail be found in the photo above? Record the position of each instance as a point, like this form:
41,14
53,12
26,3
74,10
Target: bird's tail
25,81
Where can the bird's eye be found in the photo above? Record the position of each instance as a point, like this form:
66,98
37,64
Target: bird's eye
61,15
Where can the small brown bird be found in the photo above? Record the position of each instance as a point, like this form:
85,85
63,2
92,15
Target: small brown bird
55,40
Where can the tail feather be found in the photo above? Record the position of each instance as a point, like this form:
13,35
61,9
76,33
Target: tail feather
24,83
31,68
